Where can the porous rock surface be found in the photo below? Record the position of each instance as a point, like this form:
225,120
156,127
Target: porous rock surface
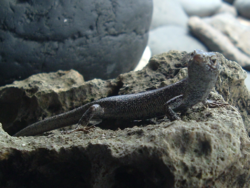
47,94
93,37
209,147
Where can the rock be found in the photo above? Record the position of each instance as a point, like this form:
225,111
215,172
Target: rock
201,8
229,1
168,12
227,8
47,94
243,21
214,153
231,86
209,147
144,60
172,37
217,41
97,38
44,95
247,81
243,7
230,26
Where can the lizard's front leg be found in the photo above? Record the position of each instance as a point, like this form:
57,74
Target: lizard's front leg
173,104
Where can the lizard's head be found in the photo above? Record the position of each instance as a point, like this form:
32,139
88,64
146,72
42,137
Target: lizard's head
209,59
203,63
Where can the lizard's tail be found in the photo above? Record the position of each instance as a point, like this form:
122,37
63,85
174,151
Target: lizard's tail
54,122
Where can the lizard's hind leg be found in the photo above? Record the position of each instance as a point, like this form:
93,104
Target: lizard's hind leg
93,111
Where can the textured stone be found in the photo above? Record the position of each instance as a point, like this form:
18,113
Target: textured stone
98,38
168,12
175,38
243,7
47,94
209,147
217,41
43,95
201,8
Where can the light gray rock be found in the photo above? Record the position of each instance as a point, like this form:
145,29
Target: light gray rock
201,8
208,148
244,21
247,81
98,38
172,37
227,8
243,7
168,12
217,41
144,59
230,26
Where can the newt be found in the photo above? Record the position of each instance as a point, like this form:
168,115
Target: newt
203,70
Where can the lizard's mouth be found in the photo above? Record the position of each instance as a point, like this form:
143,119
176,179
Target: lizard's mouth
198,58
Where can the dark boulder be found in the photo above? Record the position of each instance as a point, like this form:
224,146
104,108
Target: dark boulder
98,38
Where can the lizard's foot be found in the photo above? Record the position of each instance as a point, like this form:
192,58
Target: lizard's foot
171,114
173,104
72,130
214,104
94,110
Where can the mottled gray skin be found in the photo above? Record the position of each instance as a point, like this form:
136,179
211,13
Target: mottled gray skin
203,70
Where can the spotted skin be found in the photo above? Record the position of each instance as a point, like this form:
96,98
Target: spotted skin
203,70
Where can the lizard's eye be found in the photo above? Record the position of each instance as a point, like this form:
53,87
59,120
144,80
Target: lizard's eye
214,61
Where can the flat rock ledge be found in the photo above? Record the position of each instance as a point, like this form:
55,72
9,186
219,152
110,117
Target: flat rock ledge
209,147
213,152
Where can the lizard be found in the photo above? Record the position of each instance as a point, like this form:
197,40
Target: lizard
203,70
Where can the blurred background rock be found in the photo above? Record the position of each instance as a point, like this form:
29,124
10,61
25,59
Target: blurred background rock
210,25
98,38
